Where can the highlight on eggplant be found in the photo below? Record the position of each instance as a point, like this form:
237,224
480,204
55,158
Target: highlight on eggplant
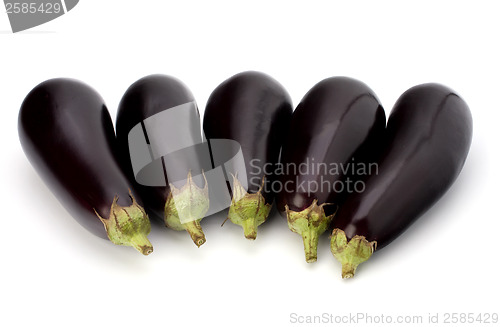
158,130
337,125
429,133
254,110
67,134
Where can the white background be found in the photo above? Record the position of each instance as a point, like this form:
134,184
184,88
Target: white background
53,272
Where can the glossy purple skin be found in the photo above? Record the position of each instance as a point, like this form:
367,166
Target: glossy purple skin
68,136
255,110
429,133
148,96
339,119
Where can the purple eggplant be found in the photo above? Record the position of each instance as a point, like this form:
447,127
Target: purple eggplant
68,136
254,110
162,111
428,136
333,131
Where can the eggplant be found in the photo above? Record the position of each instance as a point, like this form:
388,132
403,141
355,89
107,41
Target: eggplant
334,129
157,118
67,134
254,110
429,133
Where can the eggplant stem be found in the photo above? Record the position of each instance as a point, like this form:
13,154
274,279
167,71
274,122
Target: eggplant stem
248,210
141,243
195,231
250,228
128,226
309,223
350,253
310,239
185,208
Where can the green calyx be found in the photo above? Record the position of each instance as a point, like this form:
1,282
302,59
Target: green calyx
185,207
350,254
309,223
248,210
128,226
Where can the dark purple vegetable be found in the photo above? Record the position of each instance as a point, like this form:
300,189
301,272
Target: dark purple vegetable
157,118
254,110
333,131
429,133
67,134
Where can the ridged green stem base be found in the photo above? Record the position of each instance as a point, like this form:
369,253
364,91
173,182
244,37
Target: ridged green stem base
128,226
185,208
309,223
350,254
248,210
